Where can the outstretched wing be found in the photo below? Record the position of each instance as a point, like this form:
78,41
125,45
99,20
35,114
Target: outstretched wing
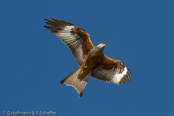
77,40
111,70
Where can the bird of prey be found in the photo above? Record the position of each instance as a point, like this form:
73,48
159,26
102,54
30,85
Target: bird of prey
90,58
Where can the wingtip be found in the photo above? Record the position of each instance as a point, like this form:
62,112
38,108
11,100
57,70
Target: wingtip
49,19
45,26
48,27
46,20
52,19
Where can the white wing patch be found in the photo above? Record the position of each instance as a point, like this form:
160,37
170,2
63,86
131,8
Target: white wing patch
72,42
117,77
66,33
68,28
66,36
72,36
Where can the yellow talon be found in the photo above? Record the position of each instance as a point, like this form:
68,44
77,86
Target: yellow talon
85,67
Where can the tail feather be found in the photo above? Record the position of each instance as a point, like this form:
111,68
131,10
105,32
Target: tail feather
75,82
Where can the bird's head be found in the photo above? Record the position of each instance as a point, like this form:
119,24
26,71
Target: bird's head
98,50
101,47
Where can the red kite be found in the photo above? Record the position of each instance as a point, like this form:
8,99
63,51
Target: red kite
90,58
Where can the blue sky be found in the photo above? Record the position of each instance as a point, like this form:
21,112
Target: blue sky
33,61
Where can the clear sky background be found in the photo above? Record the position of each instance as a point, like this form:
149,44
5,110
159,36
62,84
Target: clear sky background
33,61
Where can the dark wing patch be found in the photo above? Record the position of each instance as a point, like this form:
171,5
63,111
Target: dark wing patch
77,40
111,70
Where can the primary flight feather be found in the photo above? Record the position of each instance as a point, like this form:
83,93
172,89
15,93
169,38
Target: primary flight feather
90,58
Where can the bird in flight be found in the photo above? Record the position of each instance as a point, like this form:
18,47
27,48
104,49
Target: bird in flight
90,58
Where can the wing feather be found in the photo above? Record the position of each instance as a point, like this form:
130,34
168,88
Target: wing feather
111,70
77,40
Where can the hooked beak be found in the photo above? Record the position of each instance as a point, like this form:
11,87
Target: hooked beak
103,44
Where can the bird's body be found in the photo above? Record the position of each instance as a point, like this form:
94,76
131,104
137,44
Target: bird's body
91,60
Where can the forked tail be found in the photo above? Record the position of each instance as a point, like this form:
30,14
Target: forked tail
75,82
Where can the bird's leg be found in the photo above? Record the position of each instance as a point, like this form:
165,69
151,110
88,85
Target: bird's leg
85,67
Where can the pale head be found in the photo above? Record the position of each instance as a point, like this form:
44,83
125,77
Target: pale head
101,46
